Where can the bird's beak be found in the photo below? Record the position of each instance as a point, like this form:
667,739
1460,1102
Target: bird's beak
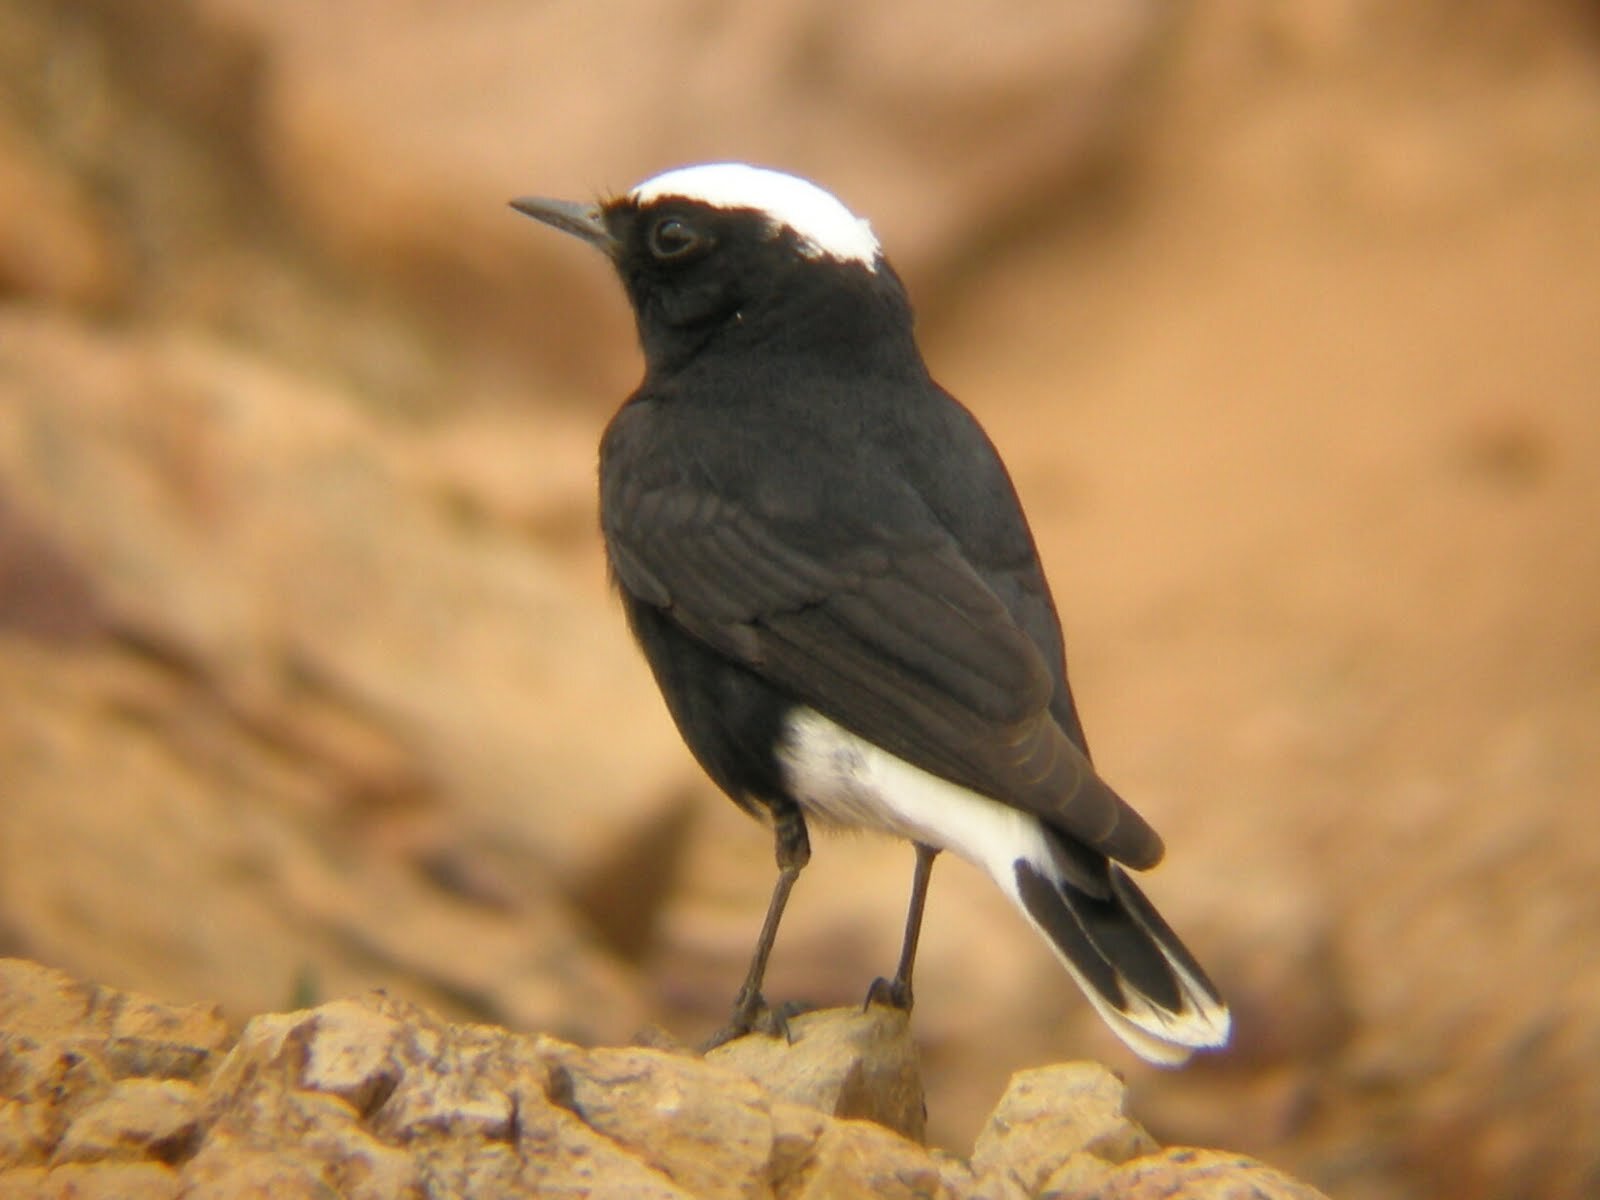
581,220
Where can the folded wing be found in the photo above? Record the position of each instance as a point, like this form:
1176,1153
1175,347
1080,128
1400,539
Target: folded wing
891,634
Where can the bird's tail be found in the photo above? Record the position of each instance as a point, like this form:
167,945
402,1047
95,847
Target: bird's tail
1124,956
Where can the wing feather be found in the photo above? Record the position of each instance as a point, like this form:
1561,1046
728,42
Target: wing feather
893,634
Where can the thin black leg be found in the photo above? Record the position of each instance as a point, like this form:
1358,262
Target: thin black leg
793,848
897,991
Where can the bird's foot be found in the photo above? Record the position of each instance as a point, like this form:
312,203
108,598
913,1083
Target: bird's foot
752,1014
895,993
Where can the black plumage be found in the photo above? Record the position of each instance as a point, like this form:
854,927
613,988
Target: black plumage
827,567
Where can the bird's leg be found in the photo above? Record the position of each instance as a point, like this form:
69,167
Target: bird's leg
793,848
896,992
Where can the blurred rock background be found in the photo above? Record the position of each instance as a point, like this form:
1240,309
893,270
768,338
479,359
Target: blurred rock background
1286,316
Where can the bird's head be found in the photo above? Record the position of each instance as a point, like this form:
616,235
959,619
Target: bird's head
740,257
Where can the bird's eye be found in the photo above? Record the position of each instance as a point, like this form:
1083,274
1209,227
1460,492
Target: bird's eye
673,238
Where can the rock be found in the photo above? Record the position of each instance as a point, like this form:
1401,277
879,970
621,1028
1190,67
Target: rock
847,1063
1058,1122
279,180
373,1098
854,1160
54,245
709,1130
97,1181
945,138
136,1119
96,1075
44,595
138,540
1191,1174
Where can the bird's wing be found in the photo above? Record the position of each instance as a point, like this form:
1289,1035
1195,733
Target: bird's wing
891,634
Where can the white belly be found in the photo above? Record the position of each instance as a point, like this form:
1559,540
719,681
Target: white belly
842,779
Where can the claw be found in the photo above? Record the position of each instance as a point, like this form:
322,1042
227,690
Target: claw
755,1015
895,993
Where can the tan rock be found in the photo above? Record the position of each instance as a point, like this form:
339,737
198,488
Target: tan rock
144,1035
224,1171
54,244
795,1130
374,1098
1070,1112
27,1131
93,1181
946,132
857,1160
706,1128
97,1075
351,1053
561,1157
135,1119
150,494
1192,1174
849,1062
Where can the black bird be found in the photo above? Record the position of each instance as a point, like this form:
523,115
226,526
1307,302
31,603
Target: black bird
827,567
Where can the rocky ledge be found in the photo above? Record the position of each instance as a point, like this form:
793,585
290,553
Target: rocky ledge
111,1094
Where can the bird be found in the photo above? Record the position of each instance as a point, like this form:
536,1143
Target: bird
829,572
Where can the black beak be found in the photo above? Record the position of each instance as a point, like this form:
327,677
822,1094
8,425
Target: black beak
581,220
